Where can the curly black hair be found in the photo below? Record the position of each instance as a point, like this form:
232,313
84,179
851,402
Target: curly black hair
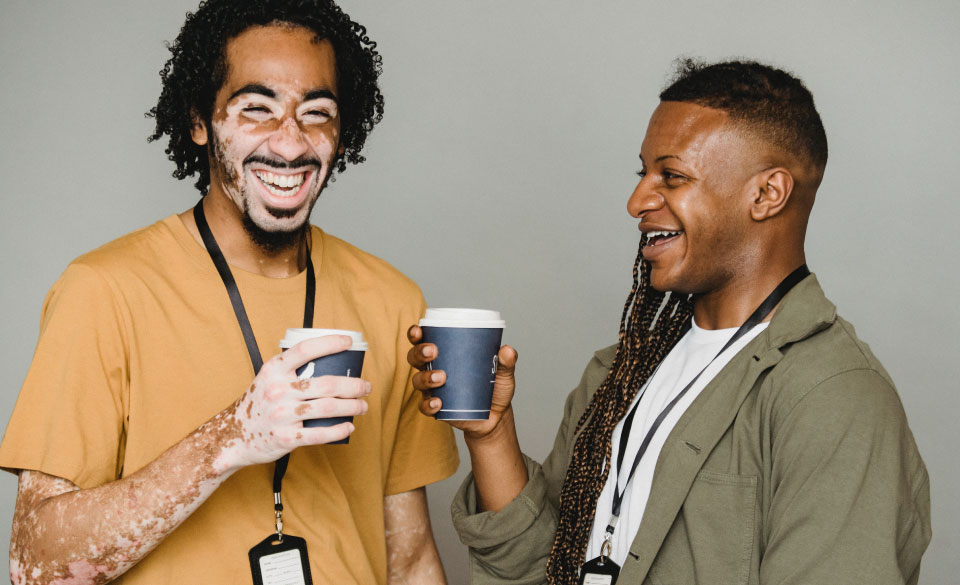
197,69
768,99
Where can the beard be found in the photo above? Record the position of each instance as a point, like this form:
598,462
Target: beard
273,242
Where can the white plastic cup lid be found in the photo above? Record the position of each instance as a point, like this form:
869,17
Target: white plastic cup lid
467,318
296,335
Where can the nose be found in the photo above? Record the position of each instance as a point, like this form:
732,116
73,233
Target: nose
644,199
288,141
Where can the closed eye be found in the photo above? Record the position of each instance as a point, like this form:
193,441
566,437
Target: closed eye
673,179
257,112
320,111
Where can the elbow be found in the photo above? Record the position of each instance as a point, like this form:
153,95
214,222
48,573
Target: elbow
27,567
77,573
17,573
22,571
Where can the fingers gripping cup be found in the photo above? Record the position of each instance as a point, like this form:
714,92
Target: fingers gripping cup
346,363
467,343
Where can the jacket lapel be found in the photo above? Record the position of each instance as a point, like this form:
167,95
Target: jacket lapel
709,416
686,449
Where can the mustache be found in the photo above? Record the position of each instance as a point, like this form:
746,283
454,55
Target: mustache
279,163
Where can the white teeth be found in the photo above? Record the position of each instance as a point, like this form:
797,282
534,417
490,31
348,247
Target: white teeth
661,233
277,191
275,182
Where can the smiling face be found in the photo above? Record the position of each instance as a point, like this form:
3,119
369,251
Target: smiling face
693,199
275,128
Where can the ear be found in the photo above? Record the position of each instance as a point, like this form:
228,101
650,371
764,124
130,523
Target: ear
198,129
772,193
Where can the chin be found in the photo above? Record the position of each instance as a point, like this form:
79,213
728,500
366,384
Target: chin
273,232
278,219
660,282
677,279
665,285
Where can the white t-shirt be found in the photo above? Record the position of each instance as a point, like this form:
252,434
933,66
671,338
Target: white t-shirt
685,360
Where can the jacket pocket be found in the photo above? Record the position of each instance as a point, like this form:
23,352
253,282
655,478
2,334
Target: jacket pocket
711,541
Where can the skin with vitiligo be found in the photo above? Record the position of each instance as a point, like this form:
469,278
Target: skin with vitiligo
275,135
276,132
64,535
412,557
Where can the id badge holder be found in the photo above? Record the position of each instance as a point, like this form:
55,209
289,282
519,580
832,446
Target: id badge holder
601,570
280,560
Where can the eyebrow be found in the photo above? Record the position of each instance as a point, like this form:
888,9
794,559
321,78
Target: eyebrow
663,157
254,88
267,92
318,94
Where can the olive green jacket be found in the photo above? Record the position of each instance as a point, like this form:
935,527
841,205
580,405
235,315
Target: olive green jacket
794,465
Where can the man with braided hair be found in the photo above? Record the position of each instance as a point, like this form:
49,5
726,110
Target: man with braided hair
739,431
145,453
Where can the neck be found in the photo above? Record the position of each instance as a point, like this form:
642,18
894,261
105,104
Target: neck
239,249
731,305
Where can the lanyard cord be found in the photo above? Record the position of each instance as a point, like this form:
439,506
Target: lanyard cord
213,249
755,319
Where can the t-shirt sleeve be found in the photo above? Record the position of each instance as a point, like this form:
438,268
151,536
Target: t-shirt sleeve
424,450
68,419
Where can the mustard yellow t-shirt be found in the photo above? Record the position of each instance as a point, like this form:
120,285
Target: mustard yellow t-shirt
139,346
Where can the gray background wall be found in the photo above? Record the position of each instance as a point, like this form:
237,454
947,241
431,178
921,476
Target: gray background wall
500,174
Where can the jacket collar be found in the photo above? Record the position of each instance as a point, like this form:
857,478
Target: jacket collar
804,312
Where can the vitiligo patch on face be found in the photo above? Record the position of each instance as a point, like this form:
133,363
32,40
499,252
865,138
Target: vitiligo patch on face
276,131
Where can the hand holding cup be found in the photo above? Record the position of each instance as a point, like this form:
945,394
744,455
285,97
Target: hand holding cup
347,363
267,421
481,377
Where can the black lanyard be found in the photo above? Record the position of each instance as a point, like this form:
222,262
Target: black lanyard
280,468
755,319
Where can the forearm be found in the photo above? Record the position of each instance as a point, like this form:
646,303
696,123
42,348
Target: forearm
63,534
498,469
512,544
94,535
412,557
425,569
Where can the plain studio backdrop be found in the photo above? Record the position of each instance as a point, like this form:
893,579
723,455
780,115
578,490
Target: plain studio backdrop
500,174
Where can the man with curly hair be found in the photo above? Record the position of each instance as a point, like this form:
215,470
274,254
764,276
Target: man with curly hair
144,451
739,432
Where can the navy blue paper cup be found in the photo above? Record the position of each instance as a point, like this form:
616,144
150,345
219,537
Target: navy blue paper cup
346,363
467,343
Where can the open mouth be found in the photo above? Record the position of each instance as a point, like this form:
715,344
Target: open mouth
659,238
282,185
